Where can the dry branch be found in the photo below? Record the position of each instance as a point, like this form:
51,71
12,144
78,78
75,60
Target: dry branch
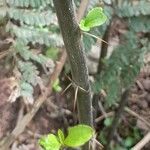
142,143
20,127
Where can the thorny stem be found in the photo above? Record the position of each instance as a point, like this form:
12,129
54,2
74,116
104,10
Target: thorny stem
72,40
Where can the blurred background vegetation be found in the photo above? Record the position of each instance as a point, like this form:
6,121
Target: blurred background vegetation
31,42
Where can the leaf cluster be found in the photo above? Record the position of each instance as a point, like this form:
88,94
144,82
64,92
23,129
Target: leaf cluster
77,136
95,17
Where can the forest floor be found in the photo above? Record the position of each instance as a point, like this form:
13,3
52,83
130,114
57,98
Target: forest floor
57,112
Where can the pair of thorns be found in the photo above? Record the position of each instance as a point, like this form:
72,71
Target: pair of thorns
77,87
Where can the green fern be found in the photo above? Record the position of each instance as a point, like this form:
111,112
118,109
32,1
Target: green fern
140,24
127,9
26,91
122,67
29,72
35,35
127,59
33,17
28,69
36,24
27,54
31,22
92,4
137,17
28,3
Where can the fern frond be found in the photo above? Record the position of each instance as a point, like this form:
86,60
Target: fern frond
26,91
29,3
26,54
29,72
127,9
122,67
33,17
140,24
36,35
92,4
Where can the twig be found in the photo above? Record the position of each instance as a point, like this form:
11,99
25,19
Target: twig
96,37
94,144
102,108
128,110
28,117
142,143
20,114
131,112
82,9
116,119
4,54
137,116
98,143
110,114
104,48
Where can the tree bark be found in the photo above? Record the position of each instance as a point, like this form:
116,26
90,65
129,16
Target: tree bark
72,40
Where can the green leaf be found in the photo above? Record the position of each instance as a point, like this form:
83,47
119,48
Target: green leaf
78,135
136,133
94,18
56,86
52,53
83,26
108,122
129,141
50,142
61,136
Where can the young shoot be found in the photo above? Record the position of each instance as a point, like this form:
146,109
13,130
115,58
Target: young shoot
77,136
94,18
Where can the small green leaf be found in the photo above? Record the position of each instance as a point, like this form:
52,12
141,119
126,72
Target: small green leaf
78,135
52,53
94,18
108,122
129,141
61,136
50,142
56,86
83,27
